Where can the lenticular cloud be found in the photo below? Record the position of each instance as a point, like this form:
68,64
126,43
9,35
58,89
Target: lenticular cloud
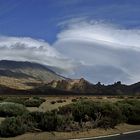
107,53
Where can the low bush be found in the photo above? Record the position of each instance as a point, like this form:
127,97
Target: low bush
81,110
53,102
49,121
106,122
11,127
74,100
59,101
130,110
19,100
8,109
33,103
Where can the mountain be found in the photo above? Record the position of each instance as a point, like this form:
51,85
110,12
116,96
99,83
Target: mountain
32,78
25,75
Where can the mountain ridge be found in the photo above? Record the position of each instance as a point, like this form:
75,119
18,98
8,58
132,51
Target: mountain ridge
18,77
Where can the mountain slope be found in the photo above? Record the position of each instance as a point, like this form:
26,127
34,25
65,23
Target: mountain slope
23,75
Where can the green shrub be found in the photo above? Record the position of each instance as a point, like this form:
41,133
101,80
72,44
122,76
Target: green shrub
112,111
49,121
35,118
18,125
130,110
106,122
33,103
8,109
95,111
38,98
19,100
12,127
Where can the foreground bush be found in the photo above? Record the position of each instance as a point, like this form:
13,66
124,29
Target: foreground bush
50,121
12,127
130,111
83,111
8,109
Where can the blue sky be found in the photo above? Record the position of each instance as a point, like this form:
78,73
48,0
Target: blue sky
40,18
95,39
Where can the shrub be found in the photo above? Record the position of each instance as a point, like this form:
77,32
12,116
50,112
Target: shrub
8,109
130,110
53,102
48,121
106,122
12,127
60,101
38,98
16,99
94,111
35,118
63,122
33,103
112,111
74,100
18,125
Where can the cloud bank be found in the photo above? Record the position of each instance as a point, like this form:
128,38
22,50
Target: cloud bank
29,49
108,53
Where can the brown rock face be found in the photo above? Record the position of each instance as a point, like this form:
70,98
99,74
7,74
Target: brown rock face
80,85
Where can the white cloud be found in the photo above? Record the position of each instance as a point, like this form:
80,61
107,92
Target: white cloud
100,32
108,50
29,49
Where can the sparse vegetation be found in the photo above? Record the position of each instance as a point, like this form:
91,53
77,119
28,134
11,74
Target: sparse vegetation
80,114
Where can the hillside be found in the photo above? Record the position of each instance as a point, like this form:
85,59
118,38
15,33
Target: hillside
24,75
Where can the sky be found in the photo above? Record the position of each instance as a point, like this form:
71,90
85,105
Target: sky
95,39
